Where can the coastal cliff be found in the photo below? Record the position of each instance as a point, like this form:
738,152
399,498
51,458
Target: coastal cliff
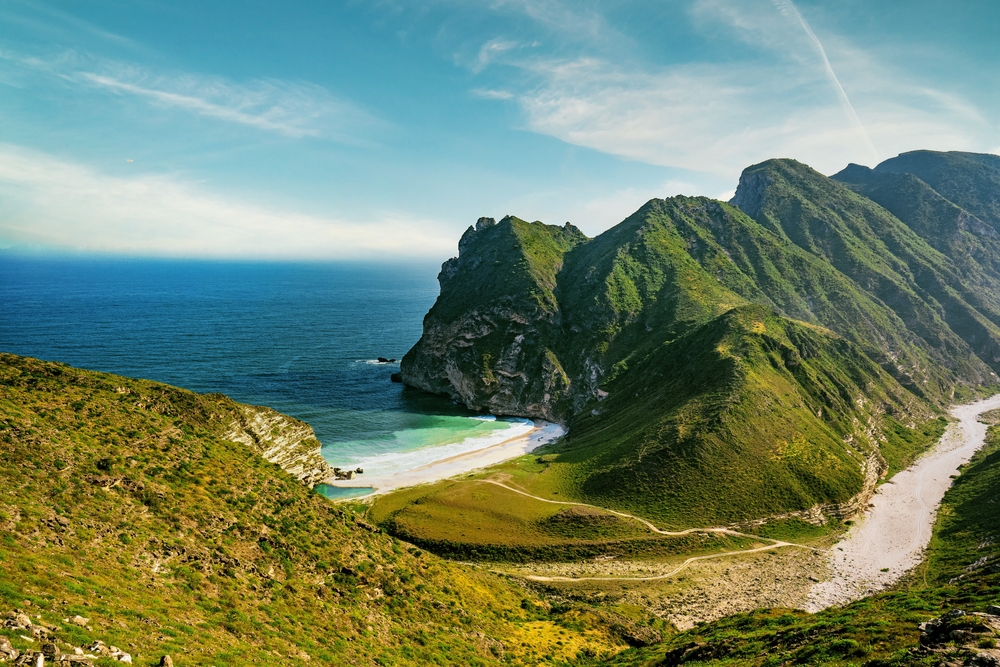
282,440
782,350
486,341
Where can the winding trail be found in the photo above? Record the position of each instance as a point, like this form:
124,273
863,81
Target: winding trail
890,537
774,544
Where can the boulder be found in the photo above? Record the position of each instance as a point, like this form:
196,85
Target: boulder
51,651
99,648
79,620
7,652
166,661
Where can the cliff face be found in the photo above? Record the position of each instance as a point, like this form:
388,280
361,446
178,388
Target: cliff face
486,342
282,440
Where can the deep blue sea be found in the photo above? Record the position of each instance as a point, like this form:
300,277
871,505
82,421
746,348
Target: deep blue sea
300,338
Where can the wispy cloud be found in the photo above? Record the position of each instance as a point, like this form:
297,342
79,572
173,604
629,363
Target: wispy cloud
52,203
490,51
293,109
788,9
720,116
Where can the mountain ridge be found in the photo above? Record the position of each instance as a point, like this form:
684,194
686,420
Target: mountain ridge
804,247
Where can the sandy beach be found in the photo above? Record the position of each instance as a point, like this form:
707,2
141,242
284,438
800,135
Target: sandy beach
891,536
543,432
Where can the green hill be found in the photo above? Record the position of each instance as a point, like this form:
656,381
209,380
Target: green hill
129,503
970,180
628,338
961,571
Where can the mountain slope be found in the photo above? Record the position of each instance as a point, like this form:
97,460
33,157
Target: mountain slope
748,415
961,572
970,180
508,271
971,244
887,259
128,502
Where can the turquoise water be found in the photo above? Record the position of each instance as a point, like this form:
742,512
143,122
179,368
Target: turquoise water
342,493
300,338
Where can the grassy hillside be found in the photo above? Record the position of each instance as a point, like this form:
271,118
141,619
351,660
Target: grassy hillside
749,415
745,416
961,571
472,519
970,180
124,502
972,245
884,257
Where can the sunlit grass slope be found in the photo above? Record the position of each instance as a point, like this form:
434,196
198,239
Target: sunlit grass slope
121,500
472,519
749,415
961,571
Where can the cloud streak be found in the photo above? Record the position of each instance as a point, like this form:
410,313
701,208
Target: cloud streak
789,9
293,109
51,203
718,116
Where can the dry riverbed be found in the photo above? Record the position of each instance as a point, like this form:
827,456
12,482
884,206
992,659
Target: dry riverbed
878,549
890,537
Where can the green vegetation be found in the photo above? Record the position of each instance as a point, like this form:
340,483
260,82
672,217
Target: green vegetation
122,501
721,363
961,571
471,519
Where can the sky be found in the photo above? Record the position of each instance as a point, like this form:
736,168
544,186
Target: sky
380,130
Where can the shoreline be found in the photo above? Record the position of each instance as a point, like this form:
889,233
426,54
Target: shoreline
543,433
890,537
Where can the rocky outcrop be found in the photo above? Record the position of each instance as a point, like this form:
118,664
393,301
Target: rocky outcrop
495,356
283,440
963,638
45,636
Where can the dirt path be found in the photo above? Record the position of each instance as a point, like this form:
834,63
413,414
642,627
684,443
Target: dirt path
688,531
681,567
774,544
890,538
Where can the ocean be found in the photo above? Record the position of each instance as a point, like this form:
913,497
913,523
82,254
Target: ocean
300,338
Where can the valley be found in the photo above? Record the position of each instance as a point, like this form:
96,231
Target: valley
753,408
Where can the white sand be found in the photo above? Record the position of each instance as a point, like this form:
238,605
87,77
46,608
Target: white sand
543,433
892,534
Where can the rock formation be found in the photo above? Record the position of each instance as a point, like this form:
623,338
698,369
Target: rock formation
282,440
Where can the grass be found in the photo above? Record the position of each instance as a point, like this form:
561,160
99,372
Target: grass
961,570
122,501
469,519
713,367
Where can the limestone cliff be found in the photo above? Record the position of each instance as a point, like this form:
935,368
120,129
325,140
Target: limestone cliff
282,440
486,340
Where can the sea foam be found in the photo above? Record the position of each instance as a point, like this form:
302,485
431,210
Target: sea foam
394,462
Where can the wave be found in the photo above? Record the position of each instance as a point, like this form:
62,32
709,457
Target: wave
376,362
393,462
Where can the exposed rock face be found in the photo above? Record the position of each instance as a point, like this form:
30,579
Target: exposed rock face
751,192
495,356
282,440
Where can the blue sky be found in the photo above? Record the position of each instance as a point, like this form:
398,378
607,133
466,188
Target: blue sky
380,130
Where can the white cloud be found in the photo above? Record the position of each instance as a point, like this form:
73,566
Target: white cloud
489,52
722,116
293,109
48,202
